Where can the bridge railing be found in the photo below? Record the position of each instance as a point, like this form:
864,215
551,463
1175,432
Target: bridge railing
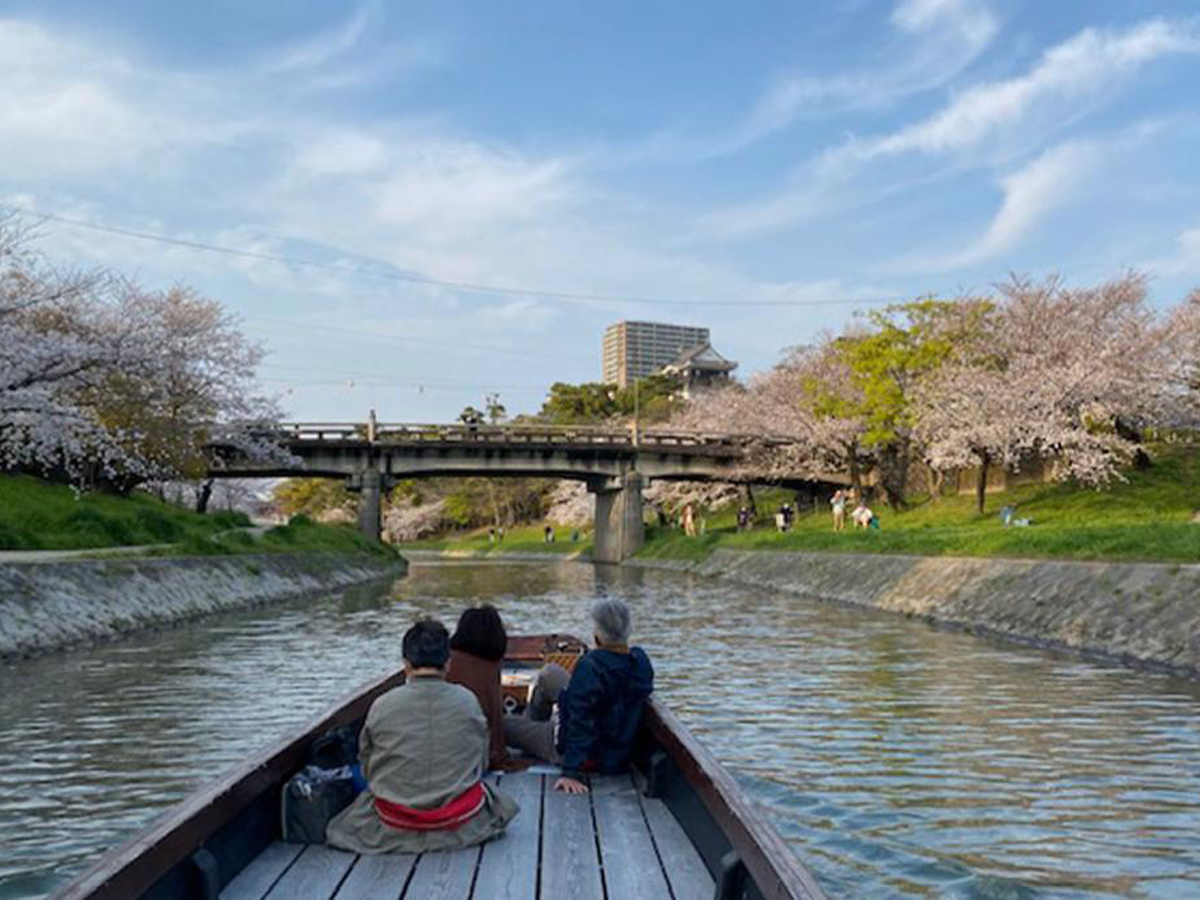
407,432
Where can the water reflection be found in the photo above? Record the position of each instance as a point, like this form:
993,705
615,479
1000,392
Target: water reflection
899,760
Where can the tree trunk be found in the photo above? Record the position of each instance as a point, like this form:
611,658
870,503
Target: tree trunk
855,476
750,504
491,488
1141,459
981,482
893,475
934,479
204,494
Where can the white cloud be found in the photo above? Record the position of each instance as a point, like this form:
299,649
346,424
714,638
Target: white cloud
62,106
1012,115
340,151
1047,183
937,40
1083,67
447,187
326,47
1183,261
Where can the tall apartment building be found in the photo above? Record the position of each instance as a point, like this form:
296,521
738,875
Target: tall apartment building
634,350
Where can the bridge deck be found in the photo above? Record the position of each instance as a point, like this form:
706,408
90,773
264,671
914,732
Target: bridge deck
613,843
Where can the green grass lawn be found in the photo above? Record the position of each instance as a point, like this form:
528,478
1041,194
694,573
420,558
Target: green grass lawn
525,539
1149,518
39,515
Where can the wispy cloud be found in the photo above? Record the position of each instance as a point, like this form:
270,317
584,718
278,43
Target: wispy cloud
937,40
1086,66
1045,184
330,45
1184,260
1016,113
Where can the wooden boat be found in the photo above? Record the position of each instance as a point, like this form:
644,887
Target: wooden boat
677,828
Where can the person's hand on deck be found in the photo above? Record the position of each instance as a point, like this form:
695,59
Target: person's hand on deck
570,785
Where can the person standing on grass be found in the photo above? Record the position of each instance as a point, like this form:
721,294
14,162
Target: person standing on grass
839,510
689,520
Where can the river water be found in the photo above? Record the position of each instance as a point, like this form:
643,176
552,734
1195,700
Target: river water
899,760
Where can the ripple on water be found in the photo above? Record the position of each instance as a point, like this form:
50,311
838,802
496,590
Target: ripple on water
899,760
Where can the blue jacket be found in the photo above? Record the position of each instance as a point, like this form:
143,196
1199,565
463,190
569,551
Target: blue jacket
600,710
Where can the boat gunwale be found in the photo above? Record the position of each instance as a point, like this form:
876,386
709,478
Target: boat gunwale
135,866
771,863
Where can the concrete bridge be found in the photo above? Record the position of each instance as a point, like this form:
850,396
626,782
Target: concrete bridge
615,464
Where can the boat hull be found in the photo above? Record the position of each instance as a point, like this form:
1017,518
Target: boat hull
197,848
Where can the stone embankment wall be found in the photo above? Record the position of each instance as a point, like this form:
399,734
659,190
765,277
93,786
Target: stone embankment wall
1141,613
52,605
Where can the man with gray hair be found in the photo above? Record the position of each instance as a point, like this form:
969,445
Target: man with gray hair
586,721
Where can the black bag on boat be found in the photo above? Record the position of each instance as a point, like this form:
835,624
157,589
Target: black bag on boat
335,748
311,798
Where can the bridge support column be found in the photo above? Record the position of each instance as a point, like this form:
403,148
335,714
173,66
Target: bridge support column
370,505
619,528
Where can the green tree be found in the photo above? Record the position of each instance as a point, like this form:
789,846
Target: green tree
470,416
653,399
901,345
494,409
579,404
314,497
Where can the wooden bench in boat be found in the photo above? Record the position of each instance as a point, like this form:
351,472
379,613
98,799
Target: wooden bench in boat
613,842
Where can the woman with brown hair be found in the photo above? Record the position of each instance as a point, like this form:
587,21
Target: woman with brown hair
476,653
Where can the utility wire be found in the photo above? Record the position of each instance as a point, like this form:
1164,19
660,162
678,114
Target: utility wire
569,296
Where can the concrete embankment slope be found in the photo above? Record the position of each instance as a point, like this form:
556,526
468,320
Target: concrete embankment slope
1147,613
51,605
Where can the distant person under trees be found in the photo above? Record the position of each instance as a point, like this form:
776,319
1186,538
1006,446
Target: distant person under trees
839,510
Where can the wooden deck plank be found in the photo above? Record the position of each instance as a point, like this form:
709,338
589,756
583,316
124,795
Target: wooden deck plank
684,866
253,882
315,875
444,875
377,877
508,870
570,865
631,867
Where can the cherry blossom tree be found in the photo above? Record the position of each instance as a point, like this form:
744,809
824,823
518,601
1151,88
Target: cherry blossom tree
789,420
1068,375
102,380
54,339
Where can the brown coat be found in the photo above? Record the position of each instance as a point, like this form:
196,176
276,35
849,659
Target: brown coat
482,678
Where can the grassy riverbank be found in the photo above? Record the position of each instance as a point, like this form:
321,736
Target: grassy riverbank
522,539
1149,517
39,515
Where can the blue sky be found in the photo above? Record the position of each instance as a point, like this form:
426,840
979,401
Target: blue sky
761,169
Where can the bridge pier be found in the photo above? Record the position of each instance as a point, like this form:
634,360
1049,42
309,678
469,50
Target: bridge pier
619,528
370,504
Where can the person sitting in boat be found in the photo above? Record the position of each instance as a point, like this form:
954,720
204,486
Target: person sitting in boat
423,749
586,721
477,649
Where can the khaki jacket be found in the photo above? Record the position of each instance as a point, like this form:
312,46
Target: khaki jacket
422,745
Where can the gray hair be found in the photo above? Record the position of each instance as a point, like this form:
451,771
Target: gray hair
611,619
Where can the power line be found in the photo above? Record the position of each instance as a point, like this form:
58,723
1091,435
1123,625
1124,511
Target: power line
569,296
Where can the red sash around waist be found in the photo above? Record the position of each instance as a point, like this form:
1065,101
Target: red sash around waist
443,818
